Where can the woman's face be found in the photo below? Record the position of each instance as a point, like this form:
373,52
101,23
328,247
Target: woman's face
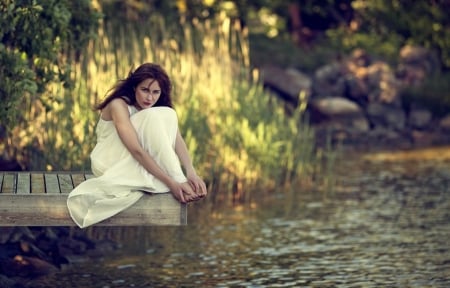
147,93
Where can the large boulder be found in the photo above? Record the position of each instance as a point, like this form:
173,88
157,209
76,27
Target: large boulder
444,123
329,80
289,83
419,118
383,85
386,116
415,64
339,113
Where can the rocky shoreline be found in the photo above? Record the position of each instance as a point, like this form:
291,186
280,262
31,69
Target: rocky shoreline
27,253
357,100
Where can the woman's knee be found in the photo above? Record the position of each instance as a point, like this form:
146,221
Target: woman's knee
155,113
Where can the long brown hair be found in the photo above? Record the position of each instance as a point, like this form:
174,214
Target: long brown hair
125,88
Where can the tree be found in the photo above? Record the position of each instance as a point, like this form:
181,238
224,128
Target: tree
386,25
36,38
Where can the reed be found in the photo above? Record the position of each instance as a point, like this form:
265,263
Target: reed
241,138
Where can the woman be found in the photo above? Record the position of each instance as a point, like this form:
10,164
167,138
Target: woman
139,148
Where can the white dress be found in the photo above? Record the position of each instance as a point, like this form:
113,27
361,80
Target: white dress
120,180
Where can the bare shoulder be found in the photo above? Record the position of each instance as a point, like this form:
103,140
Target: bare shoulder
118,103
116,108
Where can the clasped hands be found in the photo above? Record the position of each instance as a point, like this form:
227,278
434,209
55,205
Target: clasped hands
192,190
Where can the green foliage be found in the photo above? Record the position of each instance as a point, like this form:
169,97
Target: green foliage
17,80
283,52
83,25
129,11
384,26
386,46
34,35
379,26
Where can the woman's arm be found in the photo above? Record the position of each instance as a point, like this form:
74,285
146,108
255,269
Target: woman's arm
183,154
118,112
181,149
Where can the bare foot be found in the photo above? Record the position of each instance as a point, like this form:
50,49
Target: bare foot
198,185
178,192
188,192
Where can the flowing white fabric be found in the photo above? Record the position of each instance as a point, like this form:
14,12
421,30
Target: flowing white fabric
120,180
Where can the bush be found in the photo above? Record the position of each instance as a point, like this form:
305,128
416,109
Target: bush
35,38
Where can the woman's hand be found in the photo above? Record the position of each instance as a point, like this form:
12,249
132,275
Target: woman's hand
183,192
194,180
197,184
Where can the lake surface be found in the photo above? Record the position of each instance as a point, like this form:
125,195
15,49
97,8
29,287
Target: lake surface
386,224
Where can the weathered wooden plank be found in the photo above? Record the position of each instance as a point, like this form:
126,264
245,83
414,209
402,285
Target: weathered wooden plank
51,183
23,183
51,210
37,183
1,181
65,183
89,176
9,183
77,179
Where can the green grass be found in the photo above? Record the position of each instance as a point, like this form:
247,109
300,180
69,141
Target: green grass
285,53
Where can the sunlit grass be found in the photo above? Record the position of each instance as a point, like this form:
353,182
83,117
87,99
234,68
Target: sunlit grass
241,137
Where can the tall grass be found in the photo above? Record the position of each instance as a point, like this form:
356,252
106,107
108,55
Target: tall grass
241,138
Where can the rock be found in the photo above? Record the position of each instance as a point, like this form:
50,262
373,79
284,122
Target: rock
386,116
9,165
72,246
303,81
5,233
21,233
414,55
6,282
419,118
341,113
444,124
335,106
373,83
329,72
368,109
30,249
415,64
356,89
360,57
423,138
384,85
25,266
289,83
102,248
329,80
410,75
384,137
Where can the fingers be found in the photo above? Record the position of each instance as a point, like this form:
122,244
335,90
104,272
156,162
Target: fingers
203,188
180,196
193,190
199,186
188,192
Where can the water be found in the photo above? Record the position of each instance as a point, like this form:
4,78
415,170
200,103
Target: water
387,224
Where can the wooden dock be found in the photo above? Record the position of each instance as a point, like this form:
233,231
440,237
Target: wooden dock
39,199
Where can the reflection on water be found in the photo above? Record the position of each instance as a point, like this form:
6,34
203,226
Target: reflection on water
385,225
